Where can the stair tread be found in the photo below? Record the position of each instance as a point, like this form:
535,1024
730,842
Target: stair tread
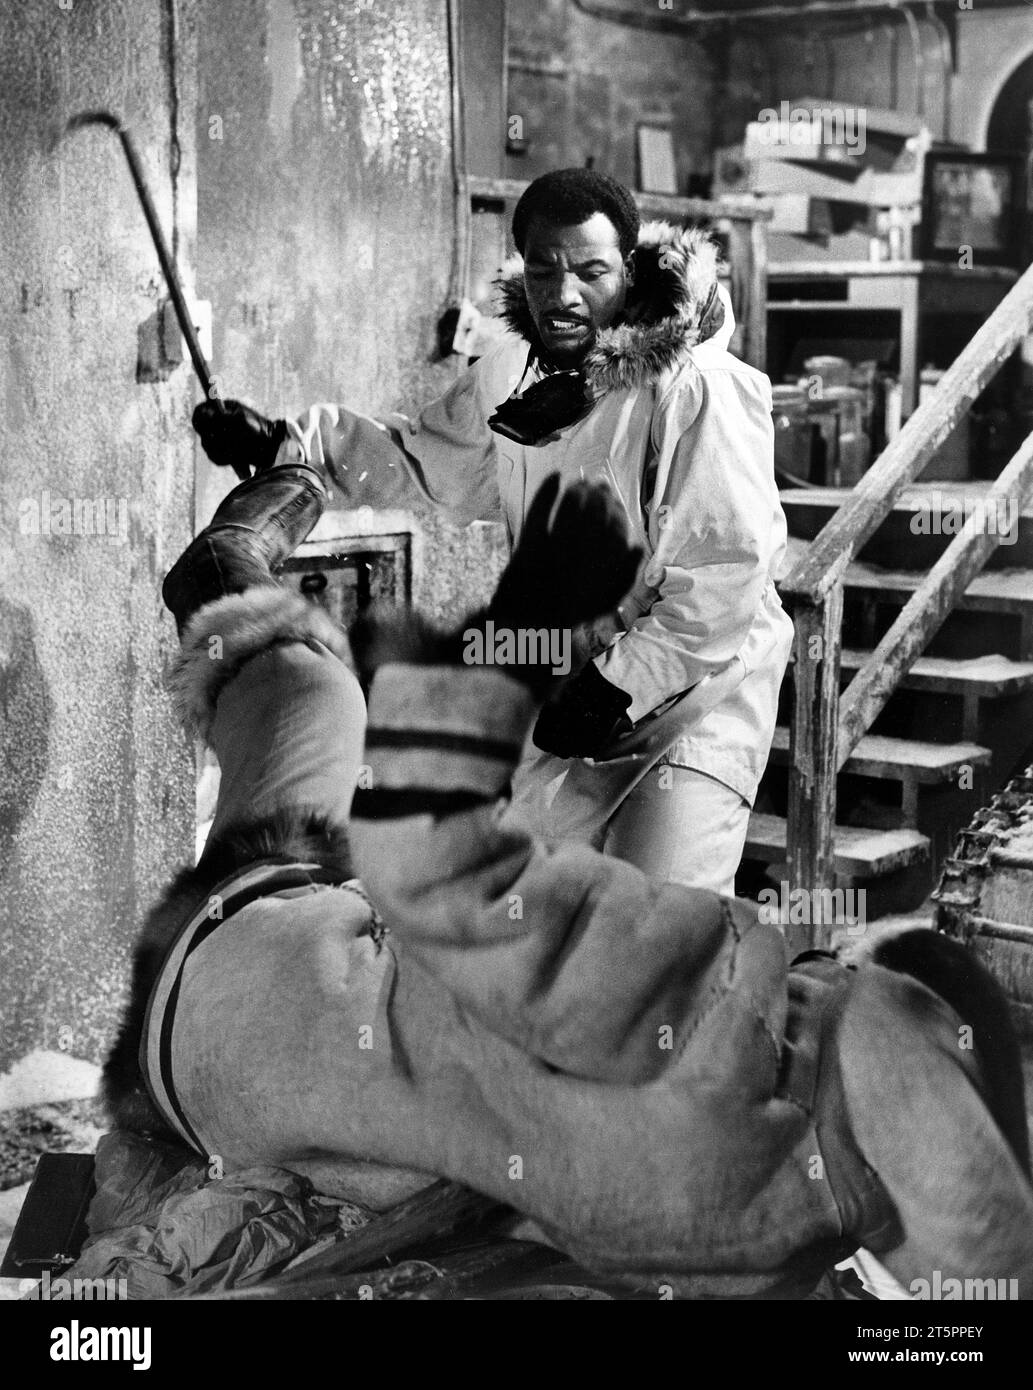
879,756
861,851
997,590
981,675
916,495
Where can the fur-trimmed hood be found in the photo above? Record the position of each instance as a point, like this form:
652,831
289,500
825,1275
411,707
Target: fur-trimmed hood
222,636
675,276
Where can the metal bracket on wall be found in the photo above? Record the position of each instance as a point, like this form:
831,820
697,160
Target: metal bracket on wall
159,345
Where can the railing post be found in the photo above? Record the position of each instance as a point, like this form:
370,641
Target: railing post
740,287
812,763
758,302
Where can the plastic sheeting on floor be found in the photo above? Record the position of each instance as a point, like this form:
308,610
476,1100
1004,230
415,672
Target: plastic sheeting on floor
166,1223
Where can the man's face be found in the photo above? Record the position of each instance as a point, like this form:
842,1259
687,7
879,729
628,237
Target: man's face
576,282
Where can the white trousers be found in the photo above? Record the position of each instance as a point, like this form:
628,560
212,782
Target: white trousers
674,823
681,826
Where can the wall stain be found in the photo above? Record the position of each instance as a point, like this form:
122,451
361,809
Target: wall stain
96,779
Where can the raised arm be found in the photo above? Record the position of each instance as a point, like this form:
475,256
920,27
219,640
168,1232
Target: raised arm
444,455
577,958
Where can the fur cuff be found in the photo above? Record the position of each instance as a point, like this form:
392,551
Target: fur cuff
223,635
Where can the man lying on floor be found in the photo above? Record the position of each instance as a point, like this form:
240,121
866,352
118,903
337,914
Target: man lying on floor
632,1065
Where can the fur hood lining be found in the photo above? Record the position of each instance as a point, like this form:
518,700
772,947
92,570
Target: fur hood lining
675,277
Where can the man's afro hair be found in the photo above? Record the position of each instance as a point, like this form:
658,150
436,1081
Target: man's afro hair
568,197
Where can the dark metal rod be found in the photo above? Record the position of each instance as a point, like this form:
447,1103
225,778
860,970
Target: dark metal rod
197,357
168,265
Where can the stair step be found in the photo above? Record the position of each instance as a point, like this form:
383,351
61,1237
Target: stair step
897,758
993,591
944,494
860,852
987,676
961,487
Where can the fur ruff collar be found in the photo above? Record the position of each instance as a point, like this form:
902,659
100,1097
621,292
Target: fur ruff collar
675,271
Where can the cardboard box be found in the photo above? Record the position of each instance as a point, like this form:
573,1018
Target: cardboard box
796,212
840,182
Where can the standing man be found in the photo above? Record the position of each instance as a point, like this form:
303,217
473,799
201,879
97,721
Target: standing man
614,368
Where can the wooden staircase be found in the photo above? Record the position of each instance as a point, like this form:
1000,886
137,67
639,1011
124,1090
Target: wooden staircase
937,626
960,721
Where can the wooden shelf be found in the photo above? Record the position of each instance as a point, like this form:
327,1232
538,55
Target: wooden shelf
825,305
743,208
838,270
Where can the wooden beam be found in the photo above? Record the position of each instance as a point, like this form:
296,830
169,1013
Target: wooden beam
812,758
738,208
740,286
930,604
840,270
756,352
873,498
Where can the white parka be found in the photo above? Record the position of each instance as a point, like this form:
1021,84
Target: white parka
681,430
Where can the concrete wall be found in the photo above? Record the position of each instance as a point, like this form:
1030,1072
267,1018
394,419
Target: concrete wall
326,228
95,778
326,241
601,80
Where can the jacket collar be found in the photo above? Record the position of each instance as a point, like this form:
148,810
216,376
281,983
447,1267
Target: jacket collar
675,273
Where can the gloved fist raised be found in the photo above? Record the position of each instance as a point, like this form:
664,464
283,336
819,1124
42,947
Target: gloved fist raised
232,433
571,570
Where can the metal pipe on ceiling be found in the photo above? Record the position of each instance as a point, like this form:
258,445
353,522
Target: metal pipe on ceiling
689,21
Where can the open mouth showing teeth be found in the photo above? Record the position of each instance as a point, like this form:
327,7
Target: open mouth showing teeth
564,325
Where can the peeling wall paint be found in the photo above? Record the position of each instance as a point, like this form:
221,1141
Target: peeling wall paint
325,225
95,777
319,147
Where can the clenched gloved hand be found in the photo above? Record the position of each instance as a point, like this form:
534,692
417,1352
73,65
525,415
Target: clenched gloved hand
233,433
588,715
568,570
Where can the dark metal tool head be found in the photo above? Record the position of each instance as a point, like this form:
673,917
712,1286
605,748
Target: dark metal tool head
107,118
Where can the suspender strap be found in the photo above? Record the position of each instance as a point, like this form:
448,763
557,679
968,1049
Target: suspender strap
261,879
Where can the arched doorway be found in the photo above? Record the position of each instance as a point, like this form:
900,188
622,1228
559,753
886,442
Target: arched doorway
1010,129
1010,126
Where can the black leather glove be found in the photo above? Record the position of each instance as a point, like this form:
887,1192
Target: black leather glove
566,570
571,569
233,433
587,716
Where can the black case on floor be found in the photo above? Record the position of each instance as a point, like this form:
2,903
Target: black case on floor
51,1225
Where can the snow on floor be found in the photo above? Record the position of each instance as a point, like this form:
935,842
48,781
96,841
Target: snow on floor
43,1076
